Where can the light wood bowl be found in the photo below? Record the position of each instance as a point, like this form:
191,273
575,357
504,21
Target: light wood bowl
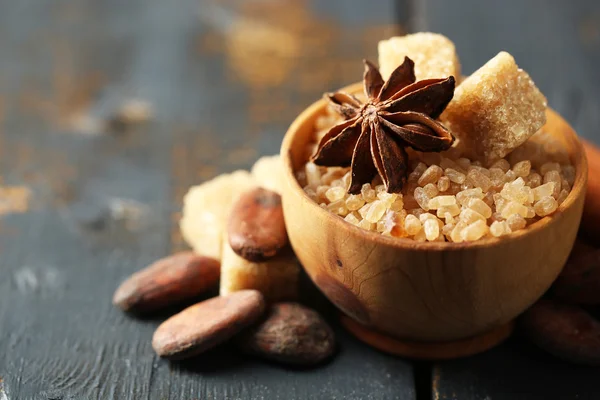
419,290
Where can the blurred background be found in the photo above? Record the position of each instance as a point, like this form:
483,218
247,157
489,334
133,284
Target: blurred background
110,110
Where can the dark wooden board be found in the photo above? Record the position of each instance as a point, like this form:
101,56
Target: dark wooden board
558,43
105,202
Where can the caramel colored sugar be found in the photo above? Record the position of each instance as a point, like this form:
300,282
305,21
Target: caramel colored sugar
495,110
448,197
434,55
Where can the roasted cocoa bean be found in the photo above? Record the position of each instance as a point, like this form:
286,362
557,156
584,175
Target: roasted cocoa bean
207,324
168,281
579,281
290,334
566,331
256,228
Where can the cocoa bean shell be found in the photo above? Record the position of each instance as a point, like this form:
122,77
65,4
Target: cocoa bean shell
204,325
579,281
292,334
566,331
256,227
168,281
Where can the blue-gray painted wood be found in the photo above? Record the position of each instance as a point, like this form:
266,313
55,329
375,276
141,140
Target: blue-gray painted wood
104,203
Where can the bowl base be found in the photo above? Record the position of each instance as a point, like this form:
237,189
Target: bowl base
429,350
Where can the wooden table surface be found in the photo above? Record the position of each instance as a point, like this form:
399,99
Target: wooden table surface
85,202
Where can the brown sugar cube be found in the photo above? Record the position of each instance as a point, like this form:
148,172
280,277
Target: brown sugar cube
276,278
206,211
434,55
495,110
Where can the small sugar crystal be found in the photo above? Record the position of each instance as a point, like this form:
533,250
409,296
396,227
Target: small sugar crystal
516,192
432,229
554,176
475,231
497,217
550,166
514,208
447,229
479,168
352,219
420,236
522,168
489,199
368,193
422,198
398,204
497,177
478,179
338,183
547,189
463,163
335,193
380,189
431,175
501,164
456,234
448,163
545,206
499,228
441,201
469,216
443,183
500,202
534,180
562,196
376,211
464,196
453,210
364,209
455,176
510,176
313,174
387,198
516,222
412,224
369,226
430,190
420,168
479,206
354,202
448,218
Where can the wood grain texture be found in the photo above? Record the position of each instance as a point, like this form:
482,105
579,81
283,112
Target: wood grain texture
558,44
104,202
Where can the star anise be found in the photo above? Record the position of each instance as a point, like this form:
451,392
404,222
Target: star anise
398,113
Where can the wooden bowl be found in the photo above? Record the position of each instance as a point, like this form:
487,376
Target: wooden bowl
427,291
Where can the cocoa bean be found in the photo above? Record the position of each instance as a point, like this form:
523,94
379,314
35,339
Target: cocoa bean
207,324
290,334
590,222
566,331
168,281
256,227
579,281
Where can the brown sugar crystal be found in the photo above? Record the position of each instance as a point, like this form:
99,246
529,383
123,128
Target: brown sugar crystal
434,55
495,110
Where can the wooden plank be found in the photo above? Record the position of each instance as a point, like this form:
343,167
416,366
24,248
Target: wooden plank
558,43
88,206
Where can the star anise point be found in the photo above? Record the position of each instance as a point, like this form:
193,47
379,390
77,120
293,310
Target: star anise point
398,113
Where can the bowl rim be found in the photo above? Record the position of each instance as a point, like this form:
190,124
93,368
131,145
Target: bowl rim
578,189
